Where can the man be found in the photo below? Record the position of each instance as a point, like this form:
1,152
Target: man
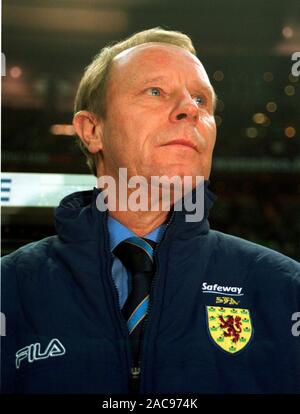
147,301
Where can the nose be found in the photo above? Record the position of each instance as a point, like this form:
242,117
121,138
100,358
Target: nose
185,109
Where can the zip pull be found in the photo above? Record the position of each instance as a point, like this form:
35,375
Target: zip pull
134,380
135,372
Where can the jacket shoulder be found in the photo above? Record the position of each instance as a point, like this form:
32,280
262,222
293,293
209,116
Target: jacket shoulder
255,256
28,257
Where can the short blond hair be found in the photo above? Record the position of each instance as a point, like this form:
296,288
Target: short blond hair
91,92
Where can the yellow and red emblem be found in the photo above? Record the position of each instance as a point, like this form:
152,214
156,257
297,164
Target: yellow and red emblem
230,328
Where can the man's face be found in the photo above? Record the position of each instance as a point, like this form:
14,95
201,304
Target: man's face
157,94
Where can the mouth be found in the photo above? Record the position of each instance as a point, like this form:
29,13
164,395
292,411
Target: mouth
182,142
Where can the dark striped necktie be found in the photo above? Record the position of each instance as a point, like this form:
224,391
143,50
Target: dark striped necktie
136,254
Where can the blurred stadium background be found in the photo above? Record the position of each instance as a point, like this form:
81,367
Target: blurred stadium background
246,47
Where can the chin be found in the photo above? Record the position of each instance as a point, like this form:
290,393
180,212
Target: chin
183,169
184,172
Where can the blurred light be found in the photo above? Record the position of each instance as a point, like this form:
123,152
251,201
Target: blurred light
61,129
293,78
251,132
218,75
220,105
15,72
287,32
78,18
259,118
277,147
266,122
289,90
218,120
40,86
271,107
290,132
268,76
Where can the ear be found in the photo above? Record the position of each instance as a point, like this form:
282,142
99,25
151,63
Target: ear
89,128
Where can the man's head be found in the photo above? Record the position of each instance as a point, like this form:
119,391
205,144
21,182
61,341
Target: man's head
139,96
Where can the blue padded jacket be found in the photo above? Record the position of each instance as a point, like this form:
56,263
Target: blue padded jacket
222,315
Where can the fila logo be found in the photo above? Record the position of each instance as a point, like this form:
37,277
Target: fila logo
33,352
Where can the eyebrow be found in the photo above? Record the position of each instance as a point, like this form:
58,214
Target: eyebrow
209,89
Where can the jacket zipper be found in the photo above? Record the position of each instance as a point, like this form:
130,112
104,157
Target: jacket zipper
136,371
122,321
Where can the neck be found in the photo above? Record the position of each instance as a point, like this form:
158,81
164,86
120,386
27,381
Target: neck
140,222
156,211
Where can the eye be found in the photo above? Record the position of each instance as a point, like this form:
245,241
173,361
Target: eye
200,100
154,91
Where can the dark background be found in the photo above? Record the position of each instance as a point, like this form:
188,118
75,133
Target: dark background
246,47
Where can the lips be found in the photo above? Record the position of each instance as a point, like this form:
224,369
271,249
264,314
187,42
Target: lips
183,142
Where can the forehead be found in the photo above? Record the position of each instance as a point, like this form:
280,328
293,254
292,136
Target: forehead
149,59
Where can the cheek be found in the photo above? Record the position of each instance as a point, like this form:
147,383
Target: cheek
126,128
209,130
123,143
115,133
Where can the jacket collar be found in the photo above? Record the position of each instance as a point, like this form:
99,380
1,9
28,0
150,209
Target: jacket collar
184,228
77,217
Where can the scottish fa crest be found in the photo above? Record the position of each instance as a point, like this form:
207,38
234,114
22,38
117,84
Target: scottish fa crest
230,328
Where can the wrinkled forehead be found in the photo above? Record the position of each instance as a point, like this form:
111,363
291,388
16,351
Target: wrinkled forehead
153,55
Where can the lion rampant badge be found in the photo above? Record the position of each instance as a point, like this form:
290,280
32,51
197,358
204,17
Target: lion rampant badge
230,328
